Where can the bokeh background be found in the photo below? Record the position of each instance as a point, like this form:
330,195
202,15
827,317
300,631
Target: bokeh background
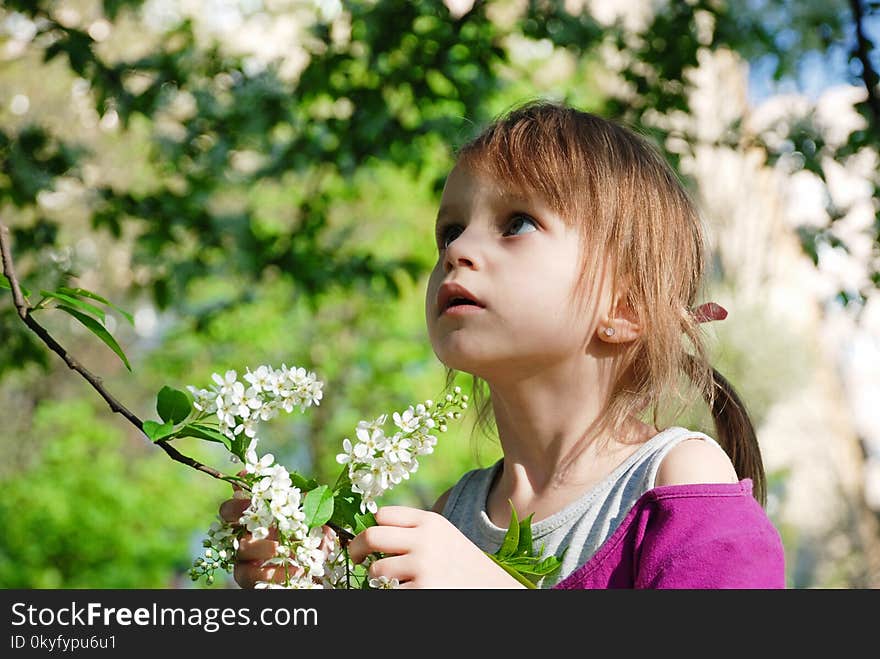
256,182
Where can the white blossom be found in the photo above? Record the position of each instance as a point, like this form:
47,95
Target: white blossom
260,379
347,454
384,583
226,411
397,448
409,421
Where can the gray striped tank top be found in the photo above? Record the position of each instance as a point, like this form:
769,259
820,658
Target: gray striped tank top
584,524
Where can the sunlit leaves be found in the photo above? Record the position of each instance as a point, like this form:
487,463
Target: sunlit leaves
83,293
98,330
318,506
517,554
76,302
173,405
30,161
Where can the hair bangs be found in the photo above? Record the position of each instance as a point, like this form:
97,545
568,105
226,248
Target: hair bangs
532,158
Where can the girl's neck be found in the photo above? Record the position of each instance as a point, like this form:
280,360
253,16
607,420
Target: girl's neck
553,442
542,417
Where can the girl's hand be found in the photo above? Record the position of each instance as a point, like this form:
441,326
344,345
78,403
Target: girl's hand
426,551
252,553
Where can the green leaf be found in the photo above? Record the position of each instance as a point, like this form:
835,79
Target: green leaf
547,566
346,508
532,566
238,446
4,283
173,405
524,546
303,483
96,328
318,506
81,292
72,301
363,521
511,538
516,575
156,431
203,432
517,557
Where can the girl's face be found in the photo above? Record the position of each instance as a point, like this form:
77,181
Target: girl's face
519,260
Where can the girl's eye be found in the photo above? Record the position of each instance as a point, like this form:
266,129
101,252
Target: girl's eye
443,238
523,220
450,232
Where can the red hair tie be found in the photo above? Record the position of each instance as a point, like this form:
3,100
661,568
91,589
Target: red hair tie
709,311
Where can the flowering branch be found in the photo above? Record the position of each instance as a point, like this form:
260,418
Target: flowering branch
24,312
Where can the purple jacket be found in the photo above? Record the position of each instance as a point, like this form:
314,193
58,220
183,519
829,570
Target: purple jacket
689,536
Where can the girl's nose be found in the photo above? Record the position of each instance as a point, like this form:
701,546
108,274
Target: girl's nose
463,252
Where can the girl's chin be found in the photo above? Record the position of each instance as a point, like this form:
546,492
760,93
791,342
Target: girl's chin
455,358
479,367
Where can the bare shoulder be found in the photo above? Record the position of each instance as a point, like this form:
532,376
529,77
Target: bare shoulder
695,461
441,502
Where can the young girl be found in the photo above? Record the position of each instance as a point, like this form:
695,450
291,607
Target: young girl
569,261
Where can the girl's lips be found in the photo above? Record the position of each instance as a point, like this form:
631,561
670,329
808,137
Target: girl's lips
450,291
461,310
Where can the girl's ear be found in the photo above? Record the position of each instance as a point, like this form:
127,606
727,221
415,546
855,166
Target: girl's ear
621,324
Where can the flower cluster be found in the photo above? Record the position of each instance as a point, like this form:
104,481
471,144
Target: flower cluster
309,553
307,558
377,462
239,408
220,547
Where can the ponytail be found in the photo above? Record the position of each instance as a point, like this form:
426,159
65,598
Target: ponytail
734,429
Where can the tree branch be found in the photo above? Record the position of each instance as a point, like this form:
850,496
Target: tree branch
117,407
869,75
24,310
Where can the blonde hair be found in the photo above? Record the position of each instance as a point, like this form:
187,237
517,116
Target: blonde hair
620,193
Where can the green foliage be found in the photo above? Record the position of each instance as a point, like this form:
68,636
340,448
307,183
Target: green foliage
318,506
173,405
98,330
517,554
30,161
84,513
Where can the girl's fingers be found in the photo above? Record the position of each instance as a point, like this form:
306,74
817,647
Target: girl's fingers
383,539
400,516
232,509
248,574
393,567
256,550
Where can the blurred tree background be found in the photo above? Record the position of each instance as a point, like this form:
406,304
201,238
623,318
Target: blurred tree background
256,180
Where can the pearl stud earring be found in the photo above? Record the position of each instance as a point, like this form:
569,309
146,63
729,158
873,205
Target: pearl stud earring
609,331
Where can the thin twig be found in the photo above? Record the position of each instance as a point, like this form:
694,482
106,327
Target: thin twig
117,407
9,271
